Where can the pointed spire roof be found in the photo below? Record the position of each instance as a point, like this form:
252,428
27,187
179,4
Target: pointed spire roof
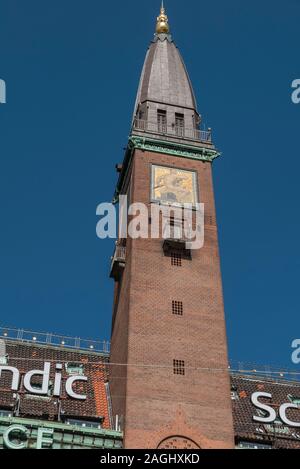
164,77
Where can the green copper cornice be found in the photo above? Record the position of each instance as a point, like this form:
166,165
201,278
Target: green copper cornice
164,147
174,149
62,435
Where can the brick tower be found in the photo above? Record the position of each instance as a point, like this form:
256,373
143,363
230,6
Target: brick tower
169,380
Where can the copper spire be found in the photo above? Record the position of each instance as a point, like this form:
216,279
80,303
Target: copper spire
162,25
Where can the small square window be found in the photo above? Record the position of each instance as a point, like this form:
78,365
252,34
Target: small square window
234,395
179,125
177,308
74,368
6,413
176,259
179,367
252,445
162,121
4,360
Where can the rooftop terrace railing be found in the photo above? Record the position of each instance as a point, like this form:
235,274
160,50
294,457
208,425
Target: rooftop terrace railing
47,338
176,131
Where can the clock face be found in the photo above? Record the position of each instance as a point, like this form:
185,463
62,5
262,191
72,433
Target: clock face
173,186
178,442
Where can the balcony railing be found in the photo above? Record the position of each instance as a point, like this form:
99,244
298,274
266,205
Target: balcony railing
172,131
47,338
118,261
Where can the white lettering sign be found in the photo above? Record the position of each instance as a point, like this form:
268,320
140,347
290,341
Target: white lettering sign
15,430
271,416
16,437
45,376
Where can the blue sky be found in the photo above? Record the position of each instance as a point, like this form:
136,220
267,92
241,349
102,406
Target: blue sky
72,70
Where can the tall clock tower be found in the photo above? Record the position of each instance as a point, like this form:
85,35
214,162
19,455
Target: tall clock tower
169,371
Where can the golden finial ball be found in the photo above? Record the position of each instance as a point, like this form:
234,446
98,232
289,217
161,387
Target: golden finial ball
162,25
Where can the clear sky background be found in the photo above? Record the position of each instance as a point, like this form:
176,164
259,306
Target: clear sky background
72,70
